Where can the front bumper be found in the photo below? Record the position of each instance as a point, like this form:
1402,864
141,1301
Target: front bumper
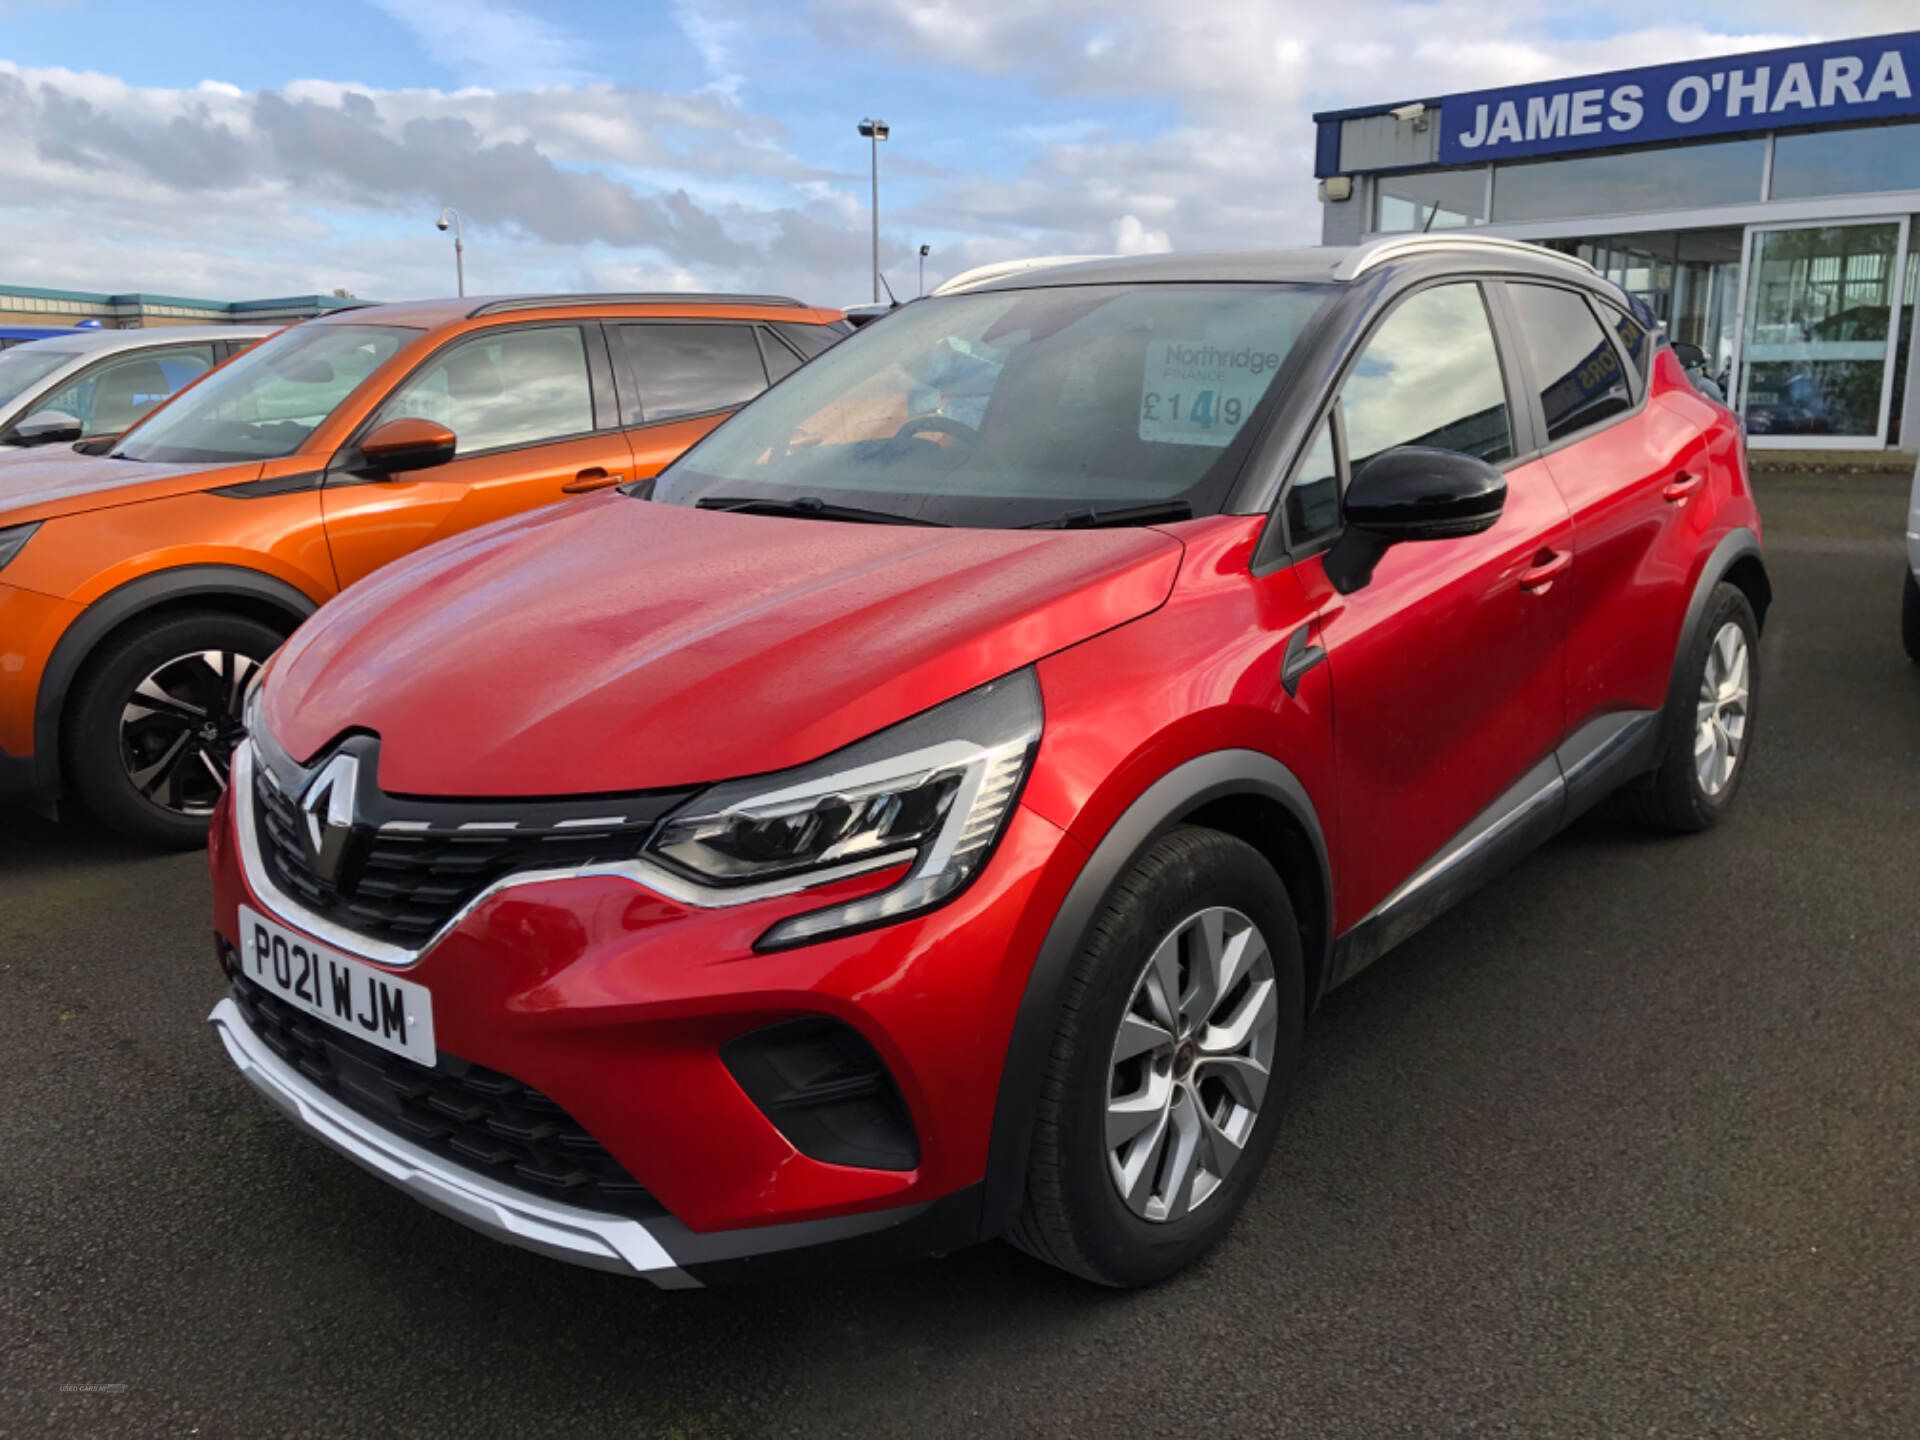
603,1242
616,1002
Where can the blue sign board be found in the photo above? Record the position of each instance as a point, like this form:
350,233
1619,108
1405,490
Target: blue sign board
1833,83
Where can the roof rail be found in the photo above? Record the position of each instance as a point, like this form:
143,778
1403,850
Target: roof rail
658,297
1365,257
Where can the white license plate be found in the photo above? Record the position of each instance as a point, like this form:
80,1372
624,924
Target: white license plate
396,1015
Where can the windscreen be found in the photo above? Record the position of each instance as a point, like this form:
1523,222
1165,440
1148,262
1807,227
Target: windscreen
1017,407
21,366
265,403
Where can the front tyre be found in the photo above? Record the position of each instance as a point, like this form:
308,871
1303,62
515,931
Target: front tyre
1709,730
154,720
1176,1045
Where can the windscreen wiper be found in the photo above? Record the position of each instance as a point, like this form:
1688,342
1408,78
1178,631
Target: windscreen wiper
808,507
1092,519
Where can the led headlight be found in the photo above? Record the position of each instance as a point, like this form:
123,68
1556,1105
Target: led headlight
933,792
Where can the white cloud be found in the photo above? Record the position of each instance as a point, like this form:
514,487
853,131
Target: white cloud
1130,237
571,180
489,42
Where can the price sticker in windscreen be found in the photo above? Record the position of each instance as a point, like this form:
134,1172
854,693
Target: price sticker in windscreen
1200,392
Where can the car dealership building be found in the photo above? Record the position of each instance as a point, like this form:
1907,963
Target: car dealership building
1762,204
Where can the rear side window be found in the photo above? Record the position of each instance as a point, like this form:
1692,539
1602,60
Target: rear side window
812,339
1430,375
1582,381
1632,336
781,362
690,369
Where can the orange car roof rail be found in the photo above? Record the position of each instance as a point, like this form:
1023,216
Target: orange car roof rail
664,297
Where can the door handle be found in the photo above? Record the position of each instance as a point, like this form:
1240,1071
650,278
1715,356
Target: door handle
594,477
1681,486
1542,573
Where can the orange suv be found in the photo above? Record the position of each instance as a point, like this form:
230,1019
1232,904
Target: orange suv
140,590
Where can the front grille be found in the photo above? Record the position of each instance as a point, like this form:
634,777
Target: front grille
411,866
477,1118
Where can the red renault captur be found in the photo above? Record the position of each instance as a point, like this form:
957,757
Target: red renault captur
932,809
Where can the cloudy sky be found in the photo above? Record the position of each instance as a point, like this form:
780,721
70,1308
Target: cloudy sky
231,150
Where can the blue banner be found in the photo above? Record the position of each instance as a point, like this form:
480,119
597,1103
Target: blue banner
1833,83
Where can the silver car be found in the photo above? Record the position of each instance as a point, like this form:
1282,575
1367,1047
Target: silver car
93,384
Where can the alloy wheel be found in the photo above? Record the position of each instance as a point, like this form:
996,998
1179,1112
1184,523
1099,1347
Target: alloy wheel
1720,724
179,728
1191,1064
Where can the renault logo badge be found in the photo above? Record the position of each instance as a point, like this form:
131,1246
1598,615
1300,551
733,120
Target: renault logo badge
327,808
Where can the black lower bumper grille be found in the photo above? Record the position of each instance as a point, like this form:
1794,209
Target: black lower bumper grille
478,1118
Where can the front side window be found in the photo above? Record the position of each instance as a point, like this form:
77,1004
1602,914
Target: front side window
1019,407
1430,375
1313,500
27,364
690,369
511,387
1581,379
112,395
264,404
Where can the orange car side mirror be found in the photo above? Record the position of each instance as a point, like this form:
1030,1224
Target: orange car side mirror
408,443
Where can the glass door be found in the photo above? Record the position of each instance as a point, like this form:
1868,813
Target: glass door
1816,333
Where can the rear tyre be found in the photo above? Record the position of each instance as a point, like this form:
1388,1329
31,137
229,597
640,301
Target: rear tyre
1709,727
153,721
1176,1045
1910,619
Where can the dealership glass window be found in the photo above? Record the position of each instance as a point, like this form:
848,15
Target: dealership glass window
1580,375
1819,322
691,369
1430,199
1683,177
515,387
1429,376
1857,161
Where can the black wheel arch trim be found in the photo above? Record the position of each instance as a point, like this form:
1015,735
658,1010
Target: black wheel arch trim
128,602
1735,546
1218,775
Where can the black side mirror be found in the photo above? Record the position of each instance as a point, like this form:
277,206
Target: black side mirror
47,427
408,443
1691,357
1412,493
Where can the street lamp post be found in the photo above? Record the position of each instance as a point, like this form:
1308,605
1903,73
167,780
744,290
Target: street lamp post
923,268
875,131
459,263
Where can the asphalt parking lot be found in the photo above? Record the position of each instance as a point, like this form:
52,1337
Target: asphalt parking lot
1626,1145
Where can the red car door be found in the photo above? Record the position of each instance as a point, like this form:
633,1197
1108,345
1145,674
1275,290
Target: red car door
1447,668
1630,477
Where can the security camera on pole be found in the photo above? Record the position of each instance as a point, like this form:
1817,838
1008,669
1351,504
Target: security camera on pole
923,268
459,265
875,131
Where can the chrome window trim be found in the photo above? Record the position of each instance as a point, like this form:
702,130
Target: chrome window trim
637,872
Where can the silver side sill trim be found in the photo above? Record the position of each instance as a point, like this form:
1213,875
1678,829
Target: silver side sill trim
564,1232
